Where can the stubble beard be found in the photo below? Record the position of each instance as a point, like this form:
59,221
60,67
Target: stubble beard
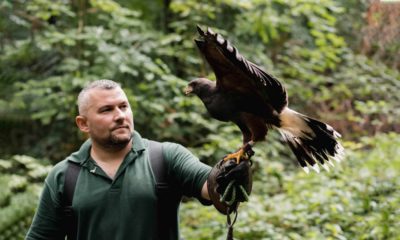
114,142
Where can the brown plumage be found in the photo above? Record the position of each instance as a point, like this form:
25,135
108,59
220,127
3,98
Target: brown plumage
256,102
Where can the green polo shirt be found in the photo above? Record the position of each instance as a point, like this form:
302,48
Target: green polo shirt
121,208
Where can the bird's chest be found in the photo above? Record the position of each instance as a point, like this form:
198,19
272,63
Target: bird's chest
221,107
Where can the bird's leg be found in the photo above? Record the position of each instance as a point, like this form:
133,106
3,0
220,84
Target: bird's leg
244,153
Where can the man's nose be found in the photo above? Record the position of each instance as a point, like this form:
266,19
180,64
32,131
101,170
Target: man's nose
119,114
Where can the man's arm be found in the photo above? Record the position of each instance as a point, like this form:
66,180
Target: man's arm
187,170
204,192
47,222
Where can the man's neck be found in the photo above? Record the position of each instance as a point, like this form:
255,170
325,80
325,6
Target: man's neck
109,159
109,154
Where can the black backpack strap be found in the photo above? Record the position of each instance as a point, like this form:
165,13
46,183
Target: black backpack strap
168,197
70,223
157,161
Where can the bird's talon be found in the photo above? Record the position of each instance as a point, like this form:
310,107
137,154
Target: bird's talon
238,156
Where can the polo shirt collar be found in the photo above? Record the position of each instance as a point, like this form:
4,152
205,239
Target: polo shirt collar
83,154
137,145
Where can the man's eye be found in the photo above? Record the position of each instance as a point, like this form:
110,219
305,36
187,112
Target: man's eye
105,110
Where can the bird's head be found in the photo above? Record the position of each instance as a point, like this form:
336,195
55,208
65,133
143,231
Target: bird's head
199,86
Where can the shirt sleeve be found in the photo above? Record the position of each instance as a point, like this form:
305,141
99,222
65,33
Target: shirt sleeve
189,173
47,222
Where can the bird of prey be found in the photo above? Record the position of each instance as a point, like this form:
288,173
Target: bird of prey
256,101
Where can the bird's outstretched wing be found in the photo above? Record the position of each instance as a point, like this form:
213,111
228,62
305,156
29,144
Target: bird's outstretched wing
236,74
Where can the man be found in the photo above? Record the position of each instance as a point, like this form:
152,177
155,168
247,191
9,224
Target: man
115,195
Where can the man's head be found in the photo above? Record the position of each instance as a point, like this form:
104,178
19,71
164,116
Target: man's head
105,114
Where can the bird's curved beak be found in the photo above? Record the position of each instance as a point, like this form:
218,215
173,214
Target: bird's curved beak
188,90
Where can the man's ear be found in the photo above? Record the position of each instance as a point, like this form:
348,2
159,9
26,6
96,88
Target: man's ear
82,124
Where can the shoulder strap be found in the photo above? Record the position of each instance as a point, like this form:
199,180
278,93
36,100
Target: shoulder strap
71,176
157,161
168,198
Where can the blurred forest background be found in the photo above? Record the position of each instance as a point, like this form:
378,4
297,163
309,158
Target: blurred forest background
339,61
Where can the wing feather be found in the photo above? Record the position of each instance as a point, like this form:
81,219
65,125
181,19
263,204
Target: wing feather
236,74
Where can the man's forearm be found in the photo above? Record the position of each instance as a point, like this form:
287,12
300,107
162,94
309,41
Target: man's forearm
204,191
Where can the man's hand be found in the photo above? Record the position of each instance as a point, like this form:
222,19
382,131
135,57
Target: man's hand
236,174
230,183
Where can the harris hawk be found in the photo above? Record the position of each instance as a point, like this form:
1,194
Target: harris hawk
256,102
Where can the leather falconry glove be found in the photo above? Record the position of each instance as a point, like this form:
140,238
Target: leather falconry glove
230,183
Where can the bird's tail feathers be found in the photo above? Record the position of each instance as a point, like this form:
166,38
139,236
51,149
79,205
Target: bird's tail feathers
310,140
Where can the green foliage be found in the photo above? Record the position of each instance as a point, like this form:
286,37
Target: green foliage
21,178
51,49
298,41
358,199
358,98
